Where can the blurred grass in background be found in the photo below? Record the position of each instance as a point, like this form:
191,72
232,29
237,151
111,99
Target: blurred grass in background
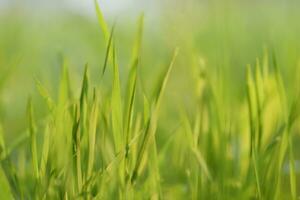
217,39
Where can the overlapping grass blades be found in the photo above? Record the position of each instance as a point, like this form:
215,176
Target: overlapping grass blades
93,142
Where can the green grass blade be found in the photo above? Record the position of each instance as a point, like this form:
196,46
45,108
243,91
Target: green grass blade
64,93
151,125
92,134
84,88
162,85
5,191
32,131
259,102
131,90
194,147
45,94
293,181
116,107
8,169
108,50
251,109
76,150
101,21
45,151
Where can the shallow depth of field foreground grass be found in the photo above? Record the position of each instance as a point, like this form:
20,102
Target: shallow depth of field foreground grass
122,130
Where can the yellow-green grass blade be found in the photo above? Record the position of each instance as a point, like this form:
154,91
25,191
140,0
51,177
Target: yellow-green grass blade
285,145
101,21
64,93
131,90
194,147
12,177
5,191
116,108
32,131
92,134
45,94
84,88
45,151
76,149
251,109
108,50
259,102
151,125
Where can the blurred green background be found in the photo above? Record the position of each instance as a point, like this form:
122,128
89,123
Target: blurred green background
222,35
227,35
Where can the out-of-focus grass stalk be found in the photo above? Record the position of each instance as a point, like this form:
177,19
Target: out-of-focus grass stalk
253,146
32,132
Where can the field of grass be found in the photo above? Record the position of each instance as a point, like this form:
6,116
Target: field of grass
201,101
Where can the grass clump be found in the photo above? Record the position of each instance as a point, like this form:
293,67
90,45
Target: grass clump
104,141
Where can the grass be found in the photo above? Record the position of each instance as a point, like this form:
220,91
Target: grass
110,139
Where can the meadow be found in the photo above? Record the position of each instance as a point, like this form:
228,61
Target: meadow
197,100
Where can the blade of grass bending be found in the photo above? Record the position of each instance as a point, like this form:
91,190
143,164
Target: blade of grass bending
101,20
108,37
151,125
107,54
32,132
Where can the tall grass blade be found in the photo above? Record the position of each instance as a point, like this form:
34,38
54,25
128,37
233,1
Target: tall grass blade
92,134
131,90
108,50
251,109
5,191
151,125
101,20
116,107
32,132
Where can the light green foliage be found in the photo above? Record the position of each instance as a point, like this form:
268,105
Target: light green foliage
213,128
